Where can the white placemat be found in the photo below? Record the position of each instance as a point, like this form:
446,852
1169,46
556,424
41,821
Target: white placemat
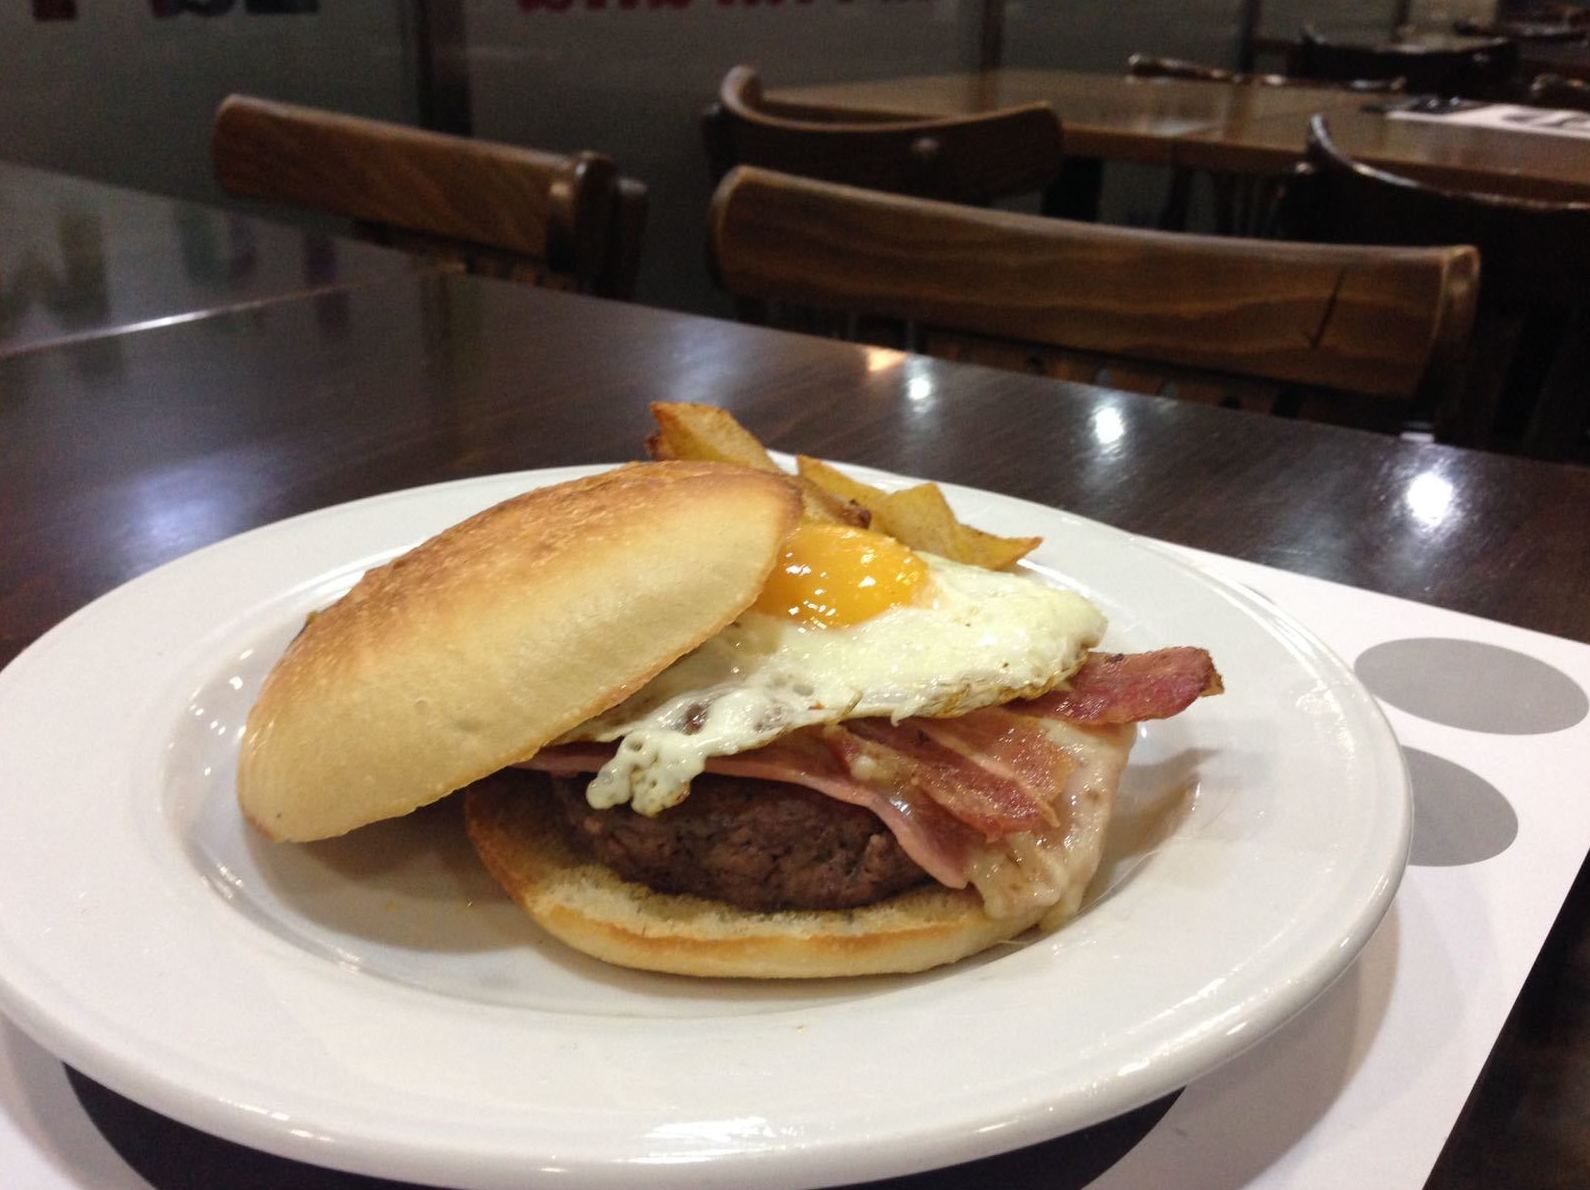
1507,117
1364,1086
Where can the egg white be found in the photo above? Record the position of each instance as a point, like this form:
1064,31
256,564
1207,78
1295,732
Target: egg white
977,638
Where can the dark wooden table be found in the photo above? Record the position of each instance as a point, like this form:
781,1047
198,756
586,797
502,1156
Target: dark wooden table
1257,130
1113,117
1530,165
1570,59
219,424
84,260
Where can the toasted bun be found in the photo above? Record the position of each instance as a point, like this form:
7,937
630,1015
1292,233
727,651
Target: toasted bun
474,649
589,907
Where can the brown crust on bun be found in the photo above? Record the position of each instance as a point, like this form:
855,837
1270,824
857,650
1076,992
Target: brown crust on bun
475,648
588,907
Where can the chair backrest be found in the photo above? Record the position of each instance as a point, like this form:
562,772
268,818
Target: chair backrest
1381,322
1149,66
1441,70
567,221
1535,260
969,159
1553,90
1531,250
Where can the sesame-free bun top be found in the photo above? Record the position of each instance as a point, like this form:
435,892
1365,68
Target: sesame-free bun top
499,634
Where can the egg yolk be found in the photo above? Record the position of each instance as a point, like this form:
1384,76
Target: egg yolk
833,575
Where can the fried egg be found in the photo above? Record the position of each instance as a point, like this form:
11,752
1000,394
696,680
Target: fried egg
850,624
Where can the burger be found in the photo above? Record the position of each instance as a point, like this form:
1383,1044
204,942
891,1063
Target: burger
696,734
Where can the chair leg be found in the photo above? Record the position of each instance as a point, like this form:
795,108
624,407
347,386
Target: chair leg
1561,416
1075,193
1469,417
1271,192
1225,188
1173,217
752,310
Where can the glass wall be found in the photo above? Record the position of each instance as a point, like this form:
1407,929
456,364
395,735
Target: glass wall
1100,35
1282,19
125,95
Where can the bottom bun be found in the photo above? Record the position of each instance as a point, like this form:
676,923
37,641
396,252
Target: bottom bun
589,907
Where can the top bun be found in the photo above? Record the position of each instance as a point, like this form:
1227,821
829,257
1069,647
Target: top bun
501,633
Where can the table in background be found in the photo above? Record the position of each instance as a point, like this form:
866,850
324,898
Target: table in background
86,260
1453,156
1114,117
1570,59
1234,129
217,425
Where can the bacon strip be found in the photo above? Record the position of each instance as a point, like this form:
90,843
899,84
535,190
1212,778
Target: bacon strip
1014,747
1130,687
908,756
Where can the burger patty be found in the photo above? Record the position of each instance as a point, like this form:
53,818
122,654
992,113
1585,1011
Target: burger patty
759,845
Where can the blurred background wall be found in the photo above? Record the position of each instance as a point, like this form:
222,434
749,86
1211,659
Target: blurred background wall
124,91
120,94
634,82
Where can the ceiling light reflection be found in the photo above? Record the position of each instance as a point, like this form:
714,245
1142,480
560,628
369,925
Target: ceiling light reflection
919,387
1109,427
1429,497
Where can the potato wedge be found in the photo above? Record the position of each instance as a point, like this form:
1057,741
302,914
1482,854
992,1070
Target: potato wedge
993,552
706,434
819,506
832,479
922,519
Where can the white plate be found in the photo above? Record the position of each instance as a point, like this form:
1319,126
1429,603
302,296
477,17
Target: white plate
374,1004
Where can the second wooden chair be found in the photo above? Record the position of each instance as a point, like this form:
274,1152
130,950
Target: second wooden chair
566,221
1525,376
970,159
1477,70
1256,323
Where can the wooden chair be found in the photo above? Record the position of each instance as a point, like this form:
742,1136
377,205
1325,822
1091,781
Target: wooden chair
1259,324
1553,90
1477,71
1244,204
968,159
1527,375
567,222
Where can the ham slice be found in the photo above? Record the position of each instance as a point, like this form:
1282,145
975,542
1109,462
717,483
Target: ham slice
908,756
1009,746
941,845
1130,687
